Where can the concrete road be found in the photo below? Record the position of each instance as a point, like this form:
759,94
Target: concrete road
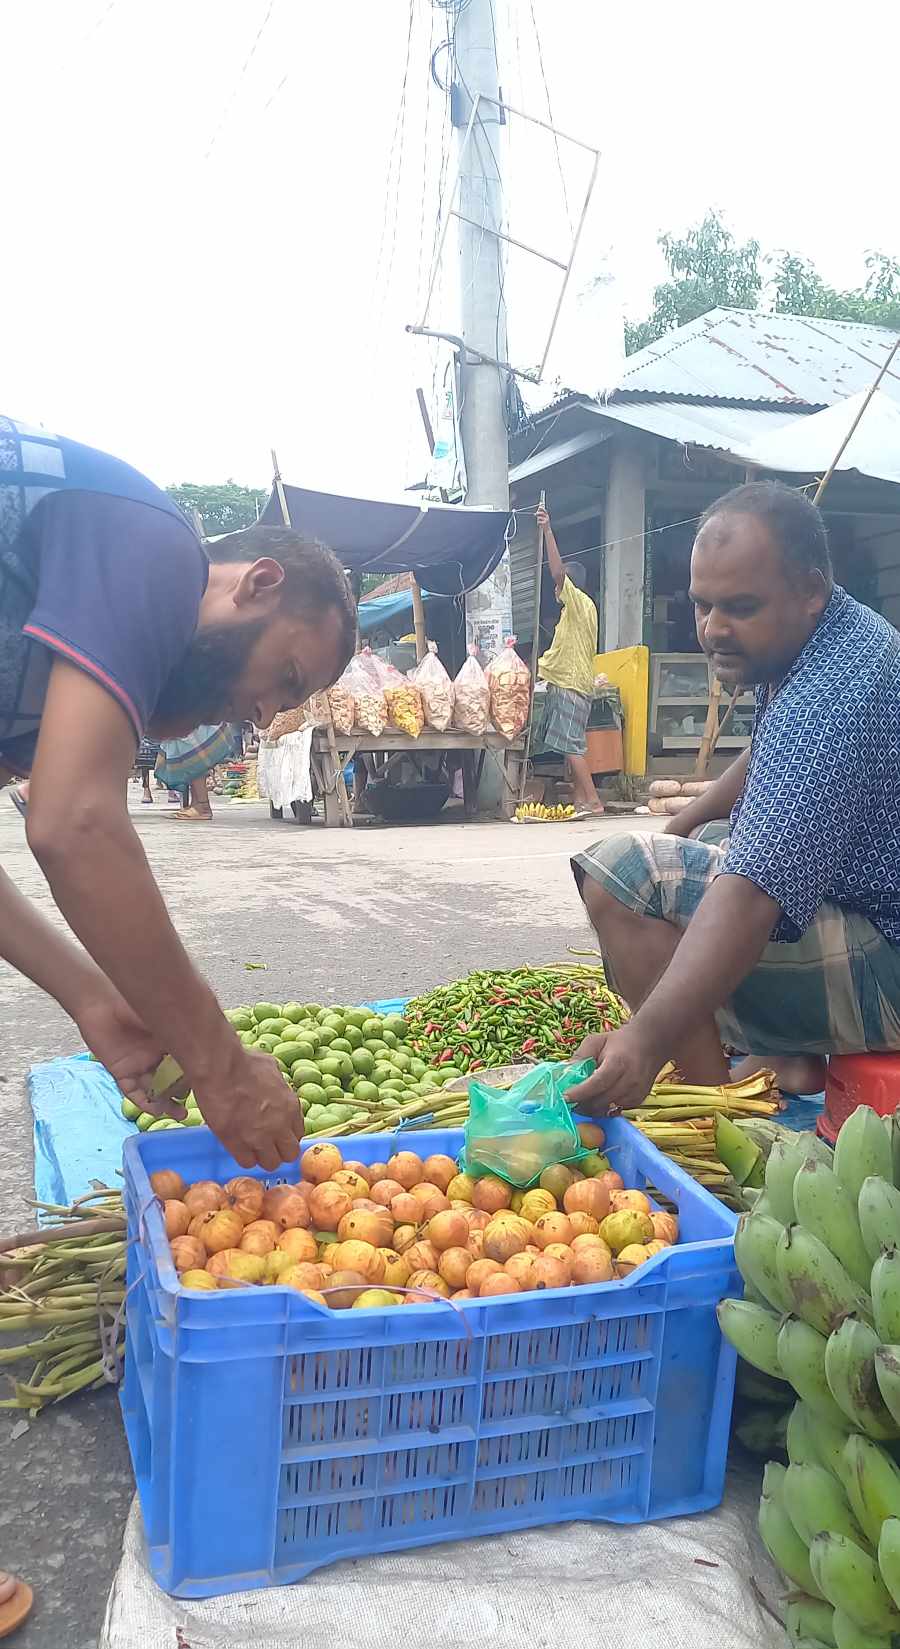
336,915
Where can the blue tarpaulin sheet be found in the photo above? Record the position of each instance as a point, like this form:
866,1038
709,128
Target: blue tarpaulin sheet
384,612
79,1128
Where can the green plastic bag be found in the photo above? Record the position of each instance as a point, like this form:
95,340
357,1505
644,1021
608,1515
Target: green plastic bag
517,1132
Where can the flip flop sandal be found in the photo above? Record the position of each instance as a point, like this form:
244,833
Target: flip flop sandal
15,1606
185,816
588,813
18,801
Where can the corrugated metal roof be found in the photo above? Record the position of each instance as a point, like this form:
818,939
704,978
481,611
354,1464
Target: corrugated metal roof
742,355
727,428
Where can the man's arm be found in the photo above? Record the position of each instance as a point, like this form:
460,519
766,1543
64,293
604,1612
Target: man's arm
80,833
554,559
120,1040
721,945
715,803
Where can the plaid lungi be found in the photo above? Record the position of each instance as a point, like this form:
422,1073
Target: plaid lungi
567,719
836,990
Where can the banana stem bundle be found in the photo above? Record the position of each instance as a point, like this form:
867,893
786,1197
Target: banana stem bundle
57,1283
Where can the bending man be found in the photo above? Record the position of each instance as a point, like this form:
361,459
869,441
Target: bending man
114,623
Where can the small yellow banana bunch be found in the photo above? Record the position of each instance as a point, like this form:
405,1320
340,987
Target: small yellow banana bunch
545,815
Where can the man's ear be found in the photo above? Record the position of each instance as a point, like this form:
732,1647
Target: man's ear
259,582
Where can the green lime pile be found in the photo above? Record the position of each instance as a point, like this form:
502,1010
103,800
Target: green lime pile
349,1067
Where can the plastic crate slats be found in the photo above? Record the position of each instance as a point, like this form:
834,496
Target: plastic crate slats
359,1432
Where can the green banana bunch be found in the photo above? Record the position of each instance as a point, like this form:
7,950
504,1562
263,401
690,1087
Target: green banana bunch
815,1501
889,1560
851,1581
847,1635
826,1209
885,1285
814,1441
872,1484
820,1290
850,1372
755,1244
801,1356
753,1331
780,1538
887,1373
878,1204
785,1160
892,1125
809,1619
862,1148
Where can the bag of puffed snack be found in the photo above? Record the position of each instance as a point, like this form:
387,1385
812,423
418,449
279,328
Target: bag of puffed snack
405,709
342,705
362,686
436,689
509,680
471,697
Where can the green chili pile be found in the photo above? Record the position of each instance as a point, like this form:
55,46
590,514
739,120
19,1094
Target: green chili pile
491,1019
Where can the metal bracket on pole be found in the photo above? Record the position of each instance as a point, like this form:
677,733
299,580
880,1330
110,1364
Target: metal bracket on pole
505,109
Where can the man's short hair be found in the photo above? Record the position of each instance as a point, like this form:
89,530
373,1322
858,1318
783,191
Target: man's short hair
314,579
577,573
793,520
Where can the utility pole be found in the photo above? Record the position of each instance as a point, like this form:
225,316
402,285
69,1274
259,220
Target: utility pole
483,308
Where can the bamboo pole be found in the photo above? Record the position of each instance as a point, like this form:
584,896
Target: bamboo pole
418,618
340,786
710,731
853,427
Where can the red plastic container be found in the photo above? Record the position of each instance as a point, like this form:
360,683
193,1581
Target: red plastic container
858,1079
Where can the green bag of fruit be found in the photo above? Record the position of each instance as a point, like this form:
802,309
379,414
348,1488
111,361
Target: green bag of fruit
517,1132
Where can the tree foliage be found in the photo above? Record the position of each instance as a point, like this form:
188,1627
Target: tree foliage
708,268
224,506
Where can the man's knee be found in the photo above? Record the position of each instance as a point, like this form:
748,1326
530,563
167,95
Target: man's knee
610,858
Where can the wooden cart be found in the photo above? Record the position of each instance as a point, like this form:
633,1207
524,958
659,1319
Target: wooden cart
474,749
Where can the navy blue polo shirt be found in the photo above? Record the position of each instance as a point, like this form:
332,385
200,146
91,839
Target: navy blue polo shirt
819,817
98,566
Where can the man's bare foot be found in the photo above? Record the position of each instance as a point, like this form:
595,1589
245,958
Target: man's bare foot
794,1073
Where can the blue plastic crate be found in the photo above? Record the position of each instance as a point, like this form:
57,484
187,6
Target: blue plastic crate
270,1436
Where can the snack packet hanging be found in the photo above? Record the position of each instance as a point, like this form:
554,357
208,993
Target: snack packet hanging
510,684
362,685
405,709
517,1132
436,689
471,697
342,705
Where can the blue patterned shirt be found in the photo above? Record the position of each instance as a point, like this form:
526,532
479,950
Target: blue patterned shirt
819,817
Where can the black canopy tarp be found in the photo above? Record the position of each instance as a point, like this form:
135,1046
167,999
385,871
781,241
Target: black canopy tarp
450,547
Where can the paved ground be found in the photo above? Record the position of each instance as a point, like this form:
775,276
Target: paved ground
339,915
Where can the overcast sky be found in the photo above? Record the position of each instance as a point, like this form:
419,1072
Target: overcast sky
213,235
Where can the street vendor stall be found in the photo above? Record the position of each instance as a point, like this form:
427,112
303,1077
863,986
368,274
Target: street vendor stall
384,716
473,751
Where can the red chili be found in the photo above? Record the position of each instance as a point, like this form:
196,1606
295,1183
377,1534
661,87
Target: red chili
445,1057
528,1045
431,1027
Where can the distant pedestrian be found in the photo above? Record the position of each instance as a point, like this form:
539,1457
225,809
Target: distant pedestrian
568,667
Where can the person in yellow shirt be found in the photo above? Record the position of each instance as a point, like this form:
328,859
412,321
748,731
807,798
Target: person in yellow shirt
568,669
